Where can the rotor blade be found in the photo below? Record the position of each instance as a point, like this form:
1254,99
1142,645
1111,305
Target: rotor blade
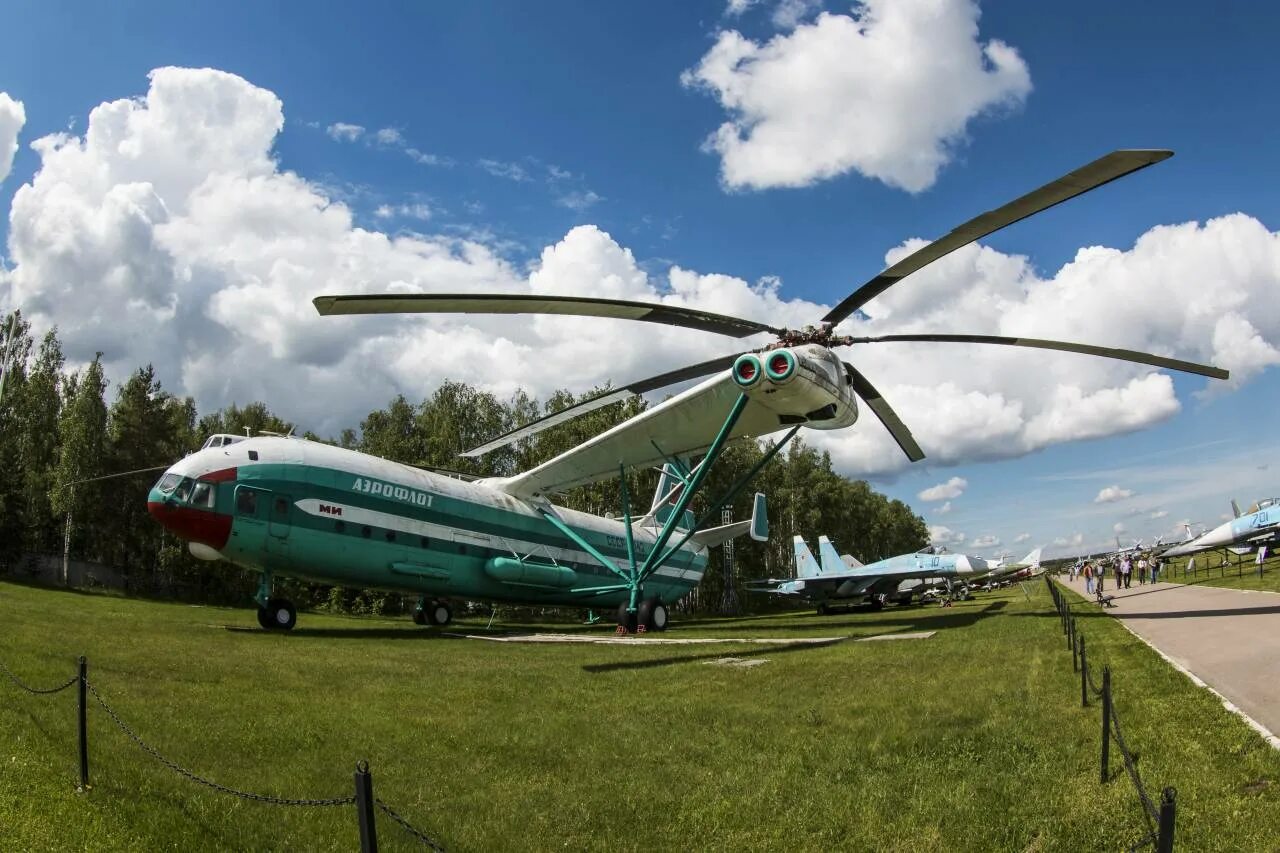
877,403
615,395
1105,169
1063,346
111,476
526,303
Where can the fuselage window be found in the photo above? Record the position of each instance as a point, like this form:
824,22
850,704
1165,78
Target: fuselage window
246,502
391,536
339,526
282,507
253,455
426,543
366,532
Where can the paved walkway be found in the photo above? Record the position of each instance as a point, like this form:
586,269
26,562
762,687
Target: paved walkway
1228,638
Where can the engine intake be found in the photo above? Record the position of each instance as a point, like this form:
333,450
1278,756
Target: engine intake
780,366
747,371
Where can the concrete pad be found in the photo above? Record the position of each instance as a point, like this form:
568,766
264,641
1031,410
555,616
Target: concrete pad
905,635
740,663
1227,638
637,640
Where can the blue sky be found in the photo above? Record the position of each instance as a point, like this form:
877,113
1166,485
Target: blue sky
536,118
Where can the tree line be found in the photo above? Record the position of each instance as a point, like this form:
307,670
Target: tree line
62,444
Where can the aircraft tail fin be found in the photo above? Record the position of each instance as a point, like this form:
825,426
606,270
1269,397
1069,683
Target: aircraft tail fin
670,486
1032,559
829,557
806,566
1235,508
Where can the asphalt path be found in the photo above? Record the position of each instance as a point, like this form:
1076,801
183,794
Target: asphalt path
1229,638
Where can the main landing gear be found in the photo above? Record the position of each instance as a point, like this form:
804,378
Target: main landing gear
433,612
651,615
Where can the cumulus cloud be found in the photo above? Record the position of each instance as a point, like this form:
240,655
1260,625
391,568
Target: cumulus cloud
887,91
1118,528
170,233
1076,540
987,541
411,211
1160,513
789,13
579,201
388,136
953,488
737,7
504,169
1111,494
343,132
13,116
1020,538
941,535
944,509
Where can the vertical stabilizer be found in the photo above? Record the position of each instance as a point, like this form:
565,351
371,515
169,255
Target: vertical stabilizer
1235,508
1032,559
806,566
670,486
830,558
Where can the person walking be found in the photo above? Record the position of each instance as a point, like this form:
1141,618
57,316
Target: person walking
1088,579
1142,570
1155,570
1126,567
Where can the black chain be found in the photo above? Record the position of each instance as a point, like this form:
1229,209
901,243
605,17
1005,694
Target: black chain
1129,765
1093,686
36,690
408,827
261,798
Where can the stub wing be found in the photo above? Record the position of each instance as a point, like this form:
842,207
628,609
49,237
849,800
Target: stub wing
682,426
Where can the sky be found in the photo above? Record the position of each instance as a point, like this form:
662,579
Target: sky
181,182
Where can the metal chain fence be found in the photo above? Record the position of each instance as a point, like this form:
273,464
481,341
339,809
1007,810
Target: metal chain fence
1159,821
408,827
200,780
368,839
36,690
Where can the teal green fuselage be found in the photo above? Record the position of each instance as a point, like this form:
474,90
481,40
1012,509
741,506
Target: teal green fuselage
392,527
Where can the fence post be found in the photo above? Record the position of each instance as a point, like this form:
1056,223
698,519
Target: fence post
83,721
1106,721
1074,666
364,809
1084,676
1168,811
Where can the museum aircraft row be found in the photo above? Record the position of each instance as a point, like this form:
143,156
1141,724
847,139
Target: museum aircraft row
839,577
283,506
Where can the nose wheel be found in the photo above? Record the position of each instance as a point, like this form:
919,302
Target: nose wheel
279,614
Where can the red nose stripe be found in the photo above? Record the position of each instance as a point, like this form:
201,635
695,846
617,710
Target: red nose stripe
222,476
194,525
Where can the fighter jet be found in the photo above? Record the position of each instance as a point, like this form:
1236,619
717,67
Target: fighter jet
843,578
1246,532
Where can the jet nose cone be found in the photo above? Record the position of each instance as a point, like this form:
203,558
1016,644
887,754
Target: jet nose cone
1220,535
962,564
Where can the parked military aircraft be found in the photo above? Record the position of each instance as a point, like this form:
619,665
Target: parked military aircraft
285,506
1260,525
844,578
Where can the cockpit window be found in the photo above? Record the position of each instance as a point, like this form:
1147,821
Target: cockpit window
168,482
202,495
183,490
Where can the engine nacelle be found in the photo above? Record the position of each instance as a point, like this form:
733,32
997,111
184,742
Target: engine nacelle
807,385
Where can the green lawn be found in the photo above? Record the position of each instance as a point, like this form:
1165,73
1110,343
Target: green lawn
1210,571
971,740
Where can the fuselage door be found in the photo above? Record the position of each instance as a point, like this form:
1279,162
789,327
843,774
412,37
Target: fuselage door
278,526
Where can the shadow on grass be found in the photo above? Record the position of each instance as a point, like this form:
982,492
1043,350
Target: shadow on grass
1192,614
345,633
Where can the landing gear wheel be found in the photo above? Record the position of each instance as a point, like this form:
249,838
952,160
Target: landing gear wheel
626,620
653,615
824,609
278,615
876,602
439,613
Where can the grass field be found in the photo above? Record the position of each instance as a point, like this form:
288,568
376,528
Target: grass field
1211,572
971,740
